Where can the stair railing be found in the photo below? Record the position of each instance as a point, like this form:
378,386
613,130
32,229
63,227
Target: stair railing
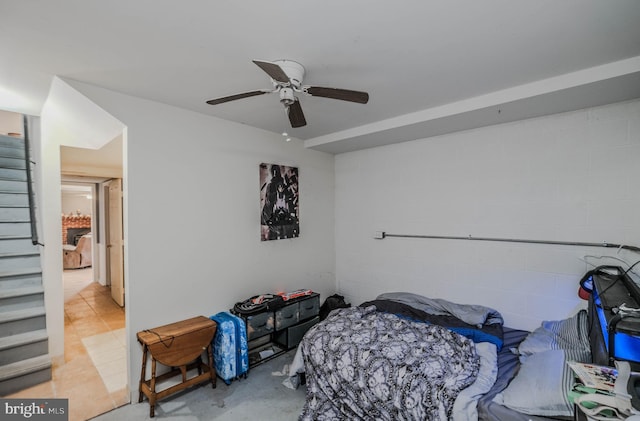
30,193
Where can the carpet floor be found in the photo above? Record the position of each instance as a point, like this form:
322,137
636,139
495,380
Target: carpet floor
261,396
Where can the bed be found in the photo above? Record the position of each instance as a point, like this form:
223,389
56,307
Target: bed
403,356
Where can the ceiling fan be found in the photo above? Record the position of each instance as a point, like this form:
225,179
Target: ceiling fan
286,77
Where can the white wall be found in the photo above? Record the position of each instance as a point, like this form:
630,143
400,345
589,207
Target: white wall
11,122
192,215
48,196
71,204
567,177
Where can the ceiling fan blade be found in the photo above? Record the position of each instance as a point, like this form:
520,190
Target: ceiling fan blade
341,94
273,70
237,96
296,116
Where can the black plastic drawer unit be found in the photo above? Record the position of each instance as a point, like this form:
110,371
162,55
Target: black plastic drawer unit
291,337
287,316
309,308
259,325
273,332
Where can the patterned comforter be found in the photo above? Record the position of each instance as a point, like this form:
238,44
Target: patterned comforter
362,364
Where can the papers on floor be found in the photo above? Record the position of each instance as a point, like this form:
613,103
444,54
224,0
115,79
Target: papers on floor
595,376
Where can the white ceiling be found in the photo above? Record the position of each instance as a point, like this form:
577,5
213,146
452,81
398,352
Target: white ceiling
430,67
105,162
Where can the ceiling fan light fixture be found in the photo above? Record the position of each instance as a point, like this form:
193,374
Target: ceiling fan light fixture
286,96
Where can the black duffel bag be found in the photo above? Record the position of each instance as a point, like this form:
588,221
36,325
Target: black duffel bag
258,304
331,303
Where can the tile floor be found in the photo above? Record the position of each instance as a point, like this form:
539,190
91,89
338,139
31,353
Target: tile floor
108,354
93,375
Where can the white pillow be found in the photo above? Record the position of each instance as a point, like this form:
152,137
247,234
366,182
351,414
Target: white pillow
568,334
541,386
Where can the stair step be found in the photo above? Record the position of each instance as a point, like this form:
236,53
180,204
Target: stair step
17,244
13,185
14,213
14,198
19,254
12,162
20,272
27,313
13,174
12,152
24,346
21,292
21,297
23,367
12,228
31,278
9,191
24,260
11,142
21,321
22,374
23,339
9,198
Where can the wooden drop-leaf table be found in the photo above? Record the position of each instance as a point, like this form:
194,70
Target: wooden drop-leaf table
179,346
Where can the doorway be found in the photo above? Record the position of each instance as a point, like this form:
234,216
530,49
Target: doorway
94,330
94,323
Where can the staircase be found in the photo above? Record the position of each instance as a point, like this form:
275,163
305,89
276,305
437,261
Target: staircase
24,358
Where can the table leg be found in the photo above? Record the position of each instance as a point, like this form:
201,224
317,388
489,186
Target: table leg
152,398
143,372
183,371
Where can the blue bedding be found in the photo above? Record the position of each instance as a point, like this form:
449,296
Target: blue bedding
491,333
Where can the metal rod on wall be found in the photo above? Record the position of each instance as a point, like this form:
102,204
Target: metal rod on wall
381,235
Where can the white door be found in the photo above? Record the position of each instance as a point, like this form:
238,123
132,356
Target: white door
115,243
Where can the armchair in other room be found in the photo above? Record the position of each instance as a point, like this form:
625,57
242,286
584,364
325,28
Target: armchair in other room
79,256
